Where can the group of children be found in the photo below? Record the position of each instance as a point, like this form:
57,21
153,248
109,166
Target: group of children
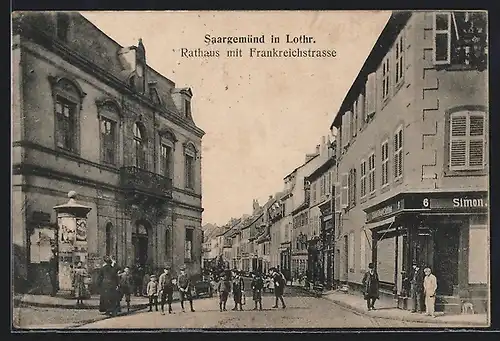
228,283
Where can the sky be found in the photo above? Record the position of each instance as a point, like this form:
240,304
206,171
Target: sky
260,115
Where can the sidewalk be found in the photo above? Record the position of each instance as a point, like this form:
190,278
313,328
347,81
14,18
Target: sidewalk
47,312
387,309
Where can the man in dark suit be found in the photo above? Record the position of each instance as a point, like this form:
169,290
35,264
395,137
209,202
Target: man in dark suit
416,288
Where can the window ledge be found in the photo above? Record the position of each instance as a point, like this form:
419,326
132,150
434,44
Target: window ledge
398,181
398,86
458,67
363,200
468,172
372,195
384,188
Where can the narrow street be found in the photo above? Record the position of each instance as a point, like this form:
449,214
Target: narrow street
301,312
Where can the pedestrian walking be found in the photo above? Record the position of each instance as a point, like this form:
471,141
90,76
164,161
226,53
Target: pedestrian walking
238,288
184,284
126,286
279,287
152,292
108,283
166,290
416,288
430,287
224,288
257,287
371,287
145,280
79,276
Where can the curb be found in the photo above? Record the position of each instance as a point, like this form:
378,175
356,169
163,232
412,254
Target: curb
365,313
19,303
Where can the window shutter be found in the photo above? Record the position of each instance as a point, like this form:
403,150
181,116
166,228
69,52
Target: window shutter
458,141
361,111
348,123
344,199
343,132
371,94
477,145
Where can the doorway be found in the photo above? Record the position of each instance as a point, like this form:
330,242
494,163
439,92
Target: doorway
446,243
140,242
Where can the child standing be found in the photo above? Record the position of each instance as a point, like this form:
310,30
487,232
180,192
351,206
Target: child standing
257,286
223,288
152,292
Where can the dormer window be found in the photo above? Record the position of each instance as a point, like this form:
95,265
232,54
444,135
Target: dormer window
62,26
187,108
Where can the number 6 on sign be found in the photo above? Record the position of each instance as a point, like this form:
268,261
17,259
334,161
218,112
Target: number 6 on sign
425,202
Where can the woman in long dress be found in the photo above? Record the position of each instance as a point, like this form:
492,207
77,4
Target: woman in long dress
108,283
79,276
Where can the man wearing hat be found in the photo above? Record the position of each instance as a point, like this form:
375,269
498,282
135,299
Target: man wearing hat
184,284
166,290
417,288
371,286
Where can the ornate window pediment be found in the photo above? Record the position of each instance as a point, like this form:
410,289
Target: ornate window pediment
67,87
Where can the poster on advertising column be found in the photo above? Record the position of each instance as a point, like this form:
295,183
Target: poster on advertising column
66,243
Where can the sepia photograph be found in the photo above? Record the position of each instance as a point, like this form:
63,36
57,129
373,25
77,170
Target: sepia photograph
260,170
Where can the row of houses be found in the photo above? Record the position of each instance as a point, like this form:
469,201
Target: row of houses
405,179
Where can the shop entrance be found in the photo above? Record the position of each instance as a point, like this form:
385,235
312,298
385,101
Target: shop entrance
446,243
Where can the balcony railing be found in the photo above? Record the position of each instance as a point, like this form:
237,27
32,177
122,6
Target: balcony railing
140,180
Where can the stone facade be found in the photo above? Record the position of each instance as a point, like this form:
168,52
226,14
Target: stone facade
90,115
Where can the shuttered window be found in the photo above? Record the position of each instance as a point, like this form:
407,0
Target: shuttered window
362,169
399,60
361,109
398,153
354,121
371,173
467,140
344,195
385,79
371,95
352,187
385,163
352,252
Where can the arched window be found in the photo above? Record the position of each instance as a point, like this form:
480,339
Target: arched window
109,238
190,157
68,98
140,146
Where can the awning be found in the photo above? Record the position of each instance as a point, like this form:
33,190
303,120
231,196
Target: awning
381,223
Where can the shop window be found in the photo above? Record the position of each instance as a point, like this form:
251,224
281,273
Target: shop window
467,147
140,146
460,39
188,244
385,163
362,253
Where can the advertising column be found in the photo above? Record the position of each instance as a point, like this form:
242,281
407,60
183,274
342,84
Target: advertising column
72,239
